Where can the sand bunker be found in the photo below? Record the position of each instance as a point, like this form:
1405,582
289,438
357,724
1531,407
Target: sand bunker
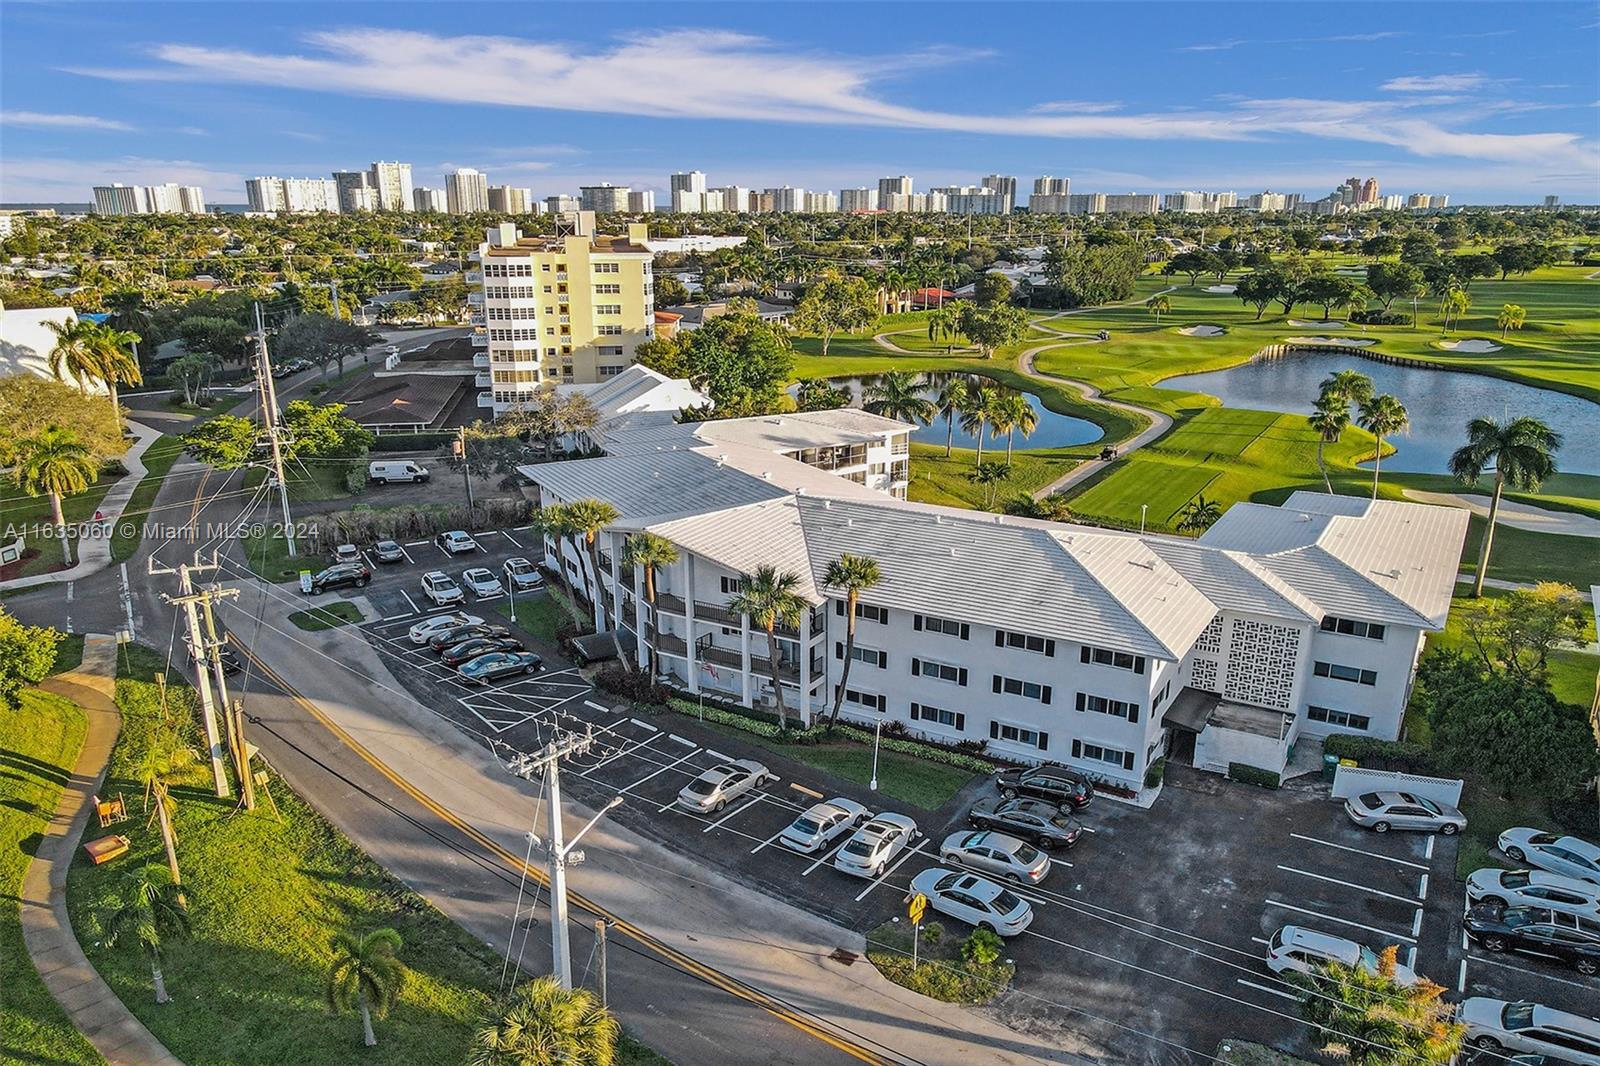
1473,345
1336,342
1225,290
1202,331
1326,323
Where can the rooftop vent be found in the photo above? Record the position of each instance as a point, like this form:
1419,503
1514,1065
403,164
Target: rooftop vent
1304,517
952,553
827,505
766,475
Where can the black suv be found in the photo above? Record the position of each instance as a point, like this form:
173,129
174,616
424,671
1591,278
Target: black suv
341,575
1568,938
1047,782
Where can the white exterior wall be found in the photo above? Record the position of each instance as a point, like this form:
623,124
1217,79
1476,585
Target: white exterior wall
1215,748
1393,659
1252,659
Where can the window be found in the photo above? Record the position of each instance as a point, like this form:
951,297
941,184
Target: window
1161,697
1088,701
608,331
921,712
1339,672
1340,718
1016,734
608,290
1012,686
1101,753
864,610
955,675
730,585
868,700
870,656
1352,628
608,309
610,349
1007,639
607,268
927,623
1119,659
609,371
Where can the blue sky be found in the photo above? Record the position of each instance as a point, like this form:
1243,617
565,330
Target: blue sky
1491,102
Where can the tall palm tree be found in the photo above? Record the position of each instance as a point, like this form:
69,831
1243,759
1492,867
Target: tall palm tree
55,463
148,914
1511,316
365,975
118,365
1329,420
649,552
588,518
1199,515
855,574
989,475
951,401
898,394
542,1023
551,520
1158,305
165,756
768,596
1382,416
1453,305
1522,452
1352,386
1014,415
77,353
978,412
944,324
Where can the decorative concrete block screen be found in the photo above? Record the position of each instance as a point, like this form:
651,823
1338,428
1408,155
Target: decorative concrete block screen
1355,780
1261,662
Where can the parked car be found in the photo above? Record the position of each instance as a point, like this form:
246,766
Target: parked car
1496,1025
1566,938
1570,856
441,588
722,784
1047,782
1039,822
1383,811
383,471
347,553
996,853
522,575
875,845
456,541
482,582
429,627
340,576
1296,949
498,664
450,636
388,551
975,900
823,823
467,650
1534,888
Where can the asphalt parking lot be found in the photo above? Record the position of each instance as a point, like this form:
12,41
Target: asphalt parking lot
1149,937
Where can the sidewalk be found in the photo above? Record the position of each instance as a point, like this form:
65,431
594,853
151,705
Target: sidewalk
54,948
94,553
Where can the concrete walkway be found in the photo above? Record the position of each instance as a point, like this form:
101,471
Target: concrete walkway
94,550
1516,514
89,1002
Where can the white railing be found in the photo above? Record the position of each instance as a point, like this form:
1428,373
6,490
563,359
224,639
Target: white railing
1354,780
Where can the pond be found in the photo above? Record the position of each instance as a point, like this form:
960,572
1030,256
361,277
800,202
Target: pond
1439,402
1054,430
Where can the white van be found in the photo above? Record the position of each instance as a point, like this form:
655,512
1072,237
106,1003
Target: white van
383,471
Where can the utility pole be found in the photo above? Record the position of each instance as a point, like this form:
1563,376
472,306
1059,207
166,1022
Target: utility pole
241,757
199,653
600,957
558,851
269,415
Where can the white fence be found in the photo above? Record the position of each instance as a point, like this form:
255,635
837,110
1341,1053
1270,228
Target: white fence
1355,780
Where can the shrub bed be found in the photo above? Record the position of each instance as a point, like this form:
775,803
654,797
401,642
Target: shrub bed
363,525
1401,755
1377,317
1252,775
945,970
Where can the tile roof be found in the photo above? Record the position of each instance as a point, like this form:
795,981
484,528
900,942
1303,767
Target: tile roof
791,431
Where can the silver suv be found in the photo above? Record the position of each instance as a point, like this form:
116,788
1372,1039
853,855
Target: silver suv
1495,1026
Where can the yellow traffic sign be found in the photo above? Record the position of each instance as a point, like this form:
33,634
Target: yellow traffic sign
917,907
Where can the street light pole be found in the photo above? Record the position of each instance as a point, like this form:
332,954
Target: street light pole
1143,509
877,734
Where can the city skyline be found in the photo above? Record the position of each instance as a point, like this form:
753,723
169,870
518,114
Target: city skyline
156,97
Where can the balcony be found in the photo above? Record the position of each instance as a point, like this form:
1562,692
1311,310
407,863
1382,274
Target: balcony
485,399
672,644
666,601
474,277
716,612
480,339
475,299
483,381
476,318
480,360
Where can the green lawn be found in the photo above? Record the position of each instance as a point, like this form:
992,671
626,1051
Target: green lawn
158,459
30,516
1572,673
309,482
39,743
266,894
539,614
326,616
267,555
69,653
935,479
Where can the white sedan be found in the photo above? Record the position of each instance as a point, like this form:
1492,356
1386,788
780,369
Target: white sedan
723,783
822,824
1534,888
456,541
482,582
1570,856
975,900
875,845
424,630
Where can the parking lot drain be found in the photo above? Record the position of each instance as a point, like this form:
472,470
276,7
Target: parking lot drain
840,955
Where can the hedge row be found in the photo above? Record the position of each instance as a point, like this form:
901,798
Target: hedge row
1252,775
1378,317
411,442
1404,756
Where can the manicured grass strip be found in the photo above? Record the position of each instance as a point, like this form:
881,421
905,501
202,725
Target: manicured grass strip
30,516
69,653
935,479
326,616
268,556
158,459
39,742
538,614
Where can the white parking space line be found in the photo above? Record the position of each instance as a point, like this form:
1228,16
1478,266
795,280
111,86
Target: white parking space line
1428,854
594,706
1461,981
407,555
767,841
676,737
414,608
826,856
718,755
635,721
1360,851
1263,941
1350,884
1269,991
1491,960
1422,889
413,543
619,753
509,537
1416,923
803,790
731,814
1341,921
898,863
656,773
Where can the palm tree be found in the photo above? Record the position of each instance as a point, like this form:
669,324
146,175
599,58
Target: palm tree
855,574
1522,452
1328,420
1015,415
975,416
951,401
118,363
1453,305
944,324
55,463
76,352
649,552
1511,316
165,756
898,394
543,1024
1158,305
1352,386
149,913
1367,1018
552,520
989,475
1382,416
365,974
1199,515
588,518
770,599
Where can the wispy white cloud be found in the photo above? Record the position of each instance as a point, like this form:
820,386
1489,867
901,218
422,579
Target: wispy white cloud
38,179
1078,107
52,120
1236,42
1433,83
303,135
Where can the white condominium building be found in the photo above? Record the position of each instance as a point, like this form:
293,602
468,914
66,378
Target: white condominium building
391,183
1133,203
426,199
1086,203
972,200
1048,642
293,195
1006,186
693,181
166,199
1049,186
735,198
641,201
509,199
785,201
821,203
355,191
897,186
560,204
466,191
858,200
606,197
